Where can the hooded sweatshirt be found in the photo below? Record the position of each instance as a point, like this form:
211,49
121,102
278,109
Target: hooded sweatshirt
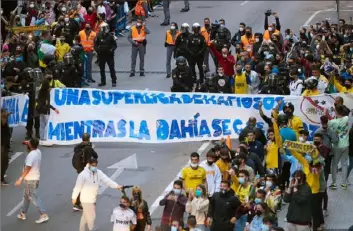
213,177
87,184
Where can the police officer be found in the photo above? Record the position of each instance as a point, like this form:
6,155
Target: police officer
54,67
105,46
70,77
137,38
78,57
197,48
222,36
170,39
271,88
182,42
182,76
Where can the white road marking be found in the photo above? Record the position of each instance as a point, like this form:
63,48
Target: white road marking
15,156
155,204
17,207
243,3
307,23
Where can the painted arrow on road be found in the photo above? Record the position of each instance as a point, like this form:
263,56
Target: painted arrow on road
127,163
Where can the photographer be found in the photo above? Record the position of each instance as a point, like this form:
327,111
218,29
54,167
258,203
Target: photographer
272,28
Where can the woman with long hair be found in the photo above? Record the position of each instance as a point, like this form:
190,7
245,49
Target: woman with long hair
140,207
43,108
197,206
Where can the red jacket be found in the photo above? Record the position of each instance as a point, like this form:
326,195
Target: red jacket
91,19
227,63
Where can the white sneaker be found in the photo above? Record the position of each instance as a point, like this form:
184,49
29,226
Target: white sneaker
21,216
42,218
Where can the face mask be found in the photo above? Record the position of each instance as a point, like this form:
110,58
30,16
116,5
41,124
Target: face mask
258,212
348,86
32,5
241,28
220,74
308,158
122,206
257,201
209,162
265,227
63,9
317,47
88,28
224,55
77,19
301,139
198,193
257,40
18,59
248,33
194,165
172,27
241,180
238,71
93,169
173,228
270,29
317,143
136,196
223,191
266,53
177,191
66,19
351,49
269,184
222,25
138,24
288,113
89,11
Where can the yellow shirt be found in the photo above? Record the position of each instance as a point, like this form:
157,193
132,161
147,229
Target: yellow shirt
61,49
273,199
272,149
296,124
244,193
240,84
309,93
193,177
235,183
313,180
341,88
223,167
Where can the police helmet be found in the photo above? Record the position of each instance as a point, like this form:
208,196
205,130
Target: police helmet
181,61
196,28
185,27
282,119
48,58
76,50
68,59
272,79
311,83
104,28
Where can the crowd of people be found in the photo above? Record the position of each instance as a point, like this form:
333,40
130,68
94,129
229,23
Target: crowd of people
240,189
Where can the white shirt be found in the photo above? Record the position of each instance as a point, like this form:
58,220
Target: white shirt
87,184
323,84
33,160
296,87
101,10
213,177
122,219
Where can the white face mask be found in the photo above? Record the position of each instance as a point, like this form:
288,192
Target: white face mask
257,40
241,28
221,74
194,165
317,47
172,27
301,139
63,9
138,24
32,5
270,29
66,19
224,55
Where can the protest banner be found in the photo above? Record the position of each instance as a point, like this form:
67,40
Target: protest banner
17,105
165,117
23,29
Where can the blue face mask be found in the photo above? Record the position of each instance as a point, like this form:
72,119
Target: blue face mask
257,201
241,180
265,227
351,49
18,59
93,169
77,19
198,193
173,228
177,191
308,158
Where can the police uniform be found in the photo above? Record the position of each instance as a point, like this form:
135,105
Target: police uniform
137,38
222,38
170,45
271,90
182,46
197,48
182,80
70,77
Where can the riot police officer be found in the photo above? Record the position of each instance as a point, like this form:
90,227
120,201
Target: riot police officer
182,76
70,77
78,59
182,42
271,88
197,48
222,36
105,46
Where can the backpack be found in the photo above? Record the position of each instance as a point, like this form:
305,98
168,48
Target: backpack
80,157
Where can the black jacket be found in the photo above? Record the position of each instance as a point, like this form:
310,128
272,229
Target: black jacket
222,208
105,44
182,46
299,210
89,153
260,136
259,168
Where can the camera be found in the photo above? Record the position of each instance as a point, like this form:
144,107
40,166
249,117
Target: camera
268,12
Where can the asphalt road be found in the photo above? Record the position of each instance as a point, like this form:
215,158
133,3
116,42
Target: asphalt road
157,164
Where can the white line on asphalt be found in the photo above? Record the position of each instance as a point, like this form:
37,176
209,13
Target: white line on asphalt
243,3
17,207
316,13
155,204
15,156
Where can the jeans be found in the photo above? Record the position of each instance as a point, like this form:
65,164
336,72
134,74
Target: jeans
88,216
202,227
350,166
43,128
340,154
31,194
89,65
241,223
